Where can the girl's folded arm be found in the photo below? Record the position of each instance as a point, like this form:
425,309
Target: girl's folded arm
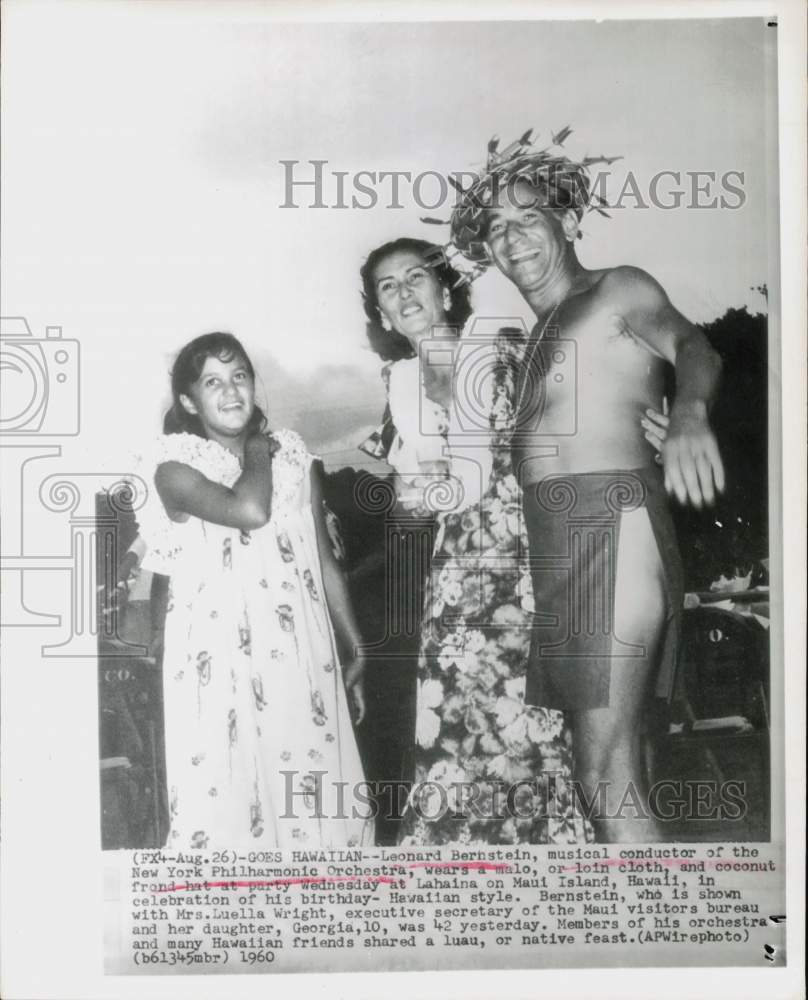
245,505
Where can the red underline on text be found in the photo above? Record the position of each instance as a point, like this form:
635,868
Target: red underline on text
315,879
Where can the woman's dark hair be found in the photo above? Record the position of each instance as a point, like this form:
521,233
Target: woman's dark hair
389,344
188,367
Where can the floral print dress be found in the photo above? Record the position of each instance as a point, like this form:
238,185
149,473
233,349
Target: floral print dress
257,728
488,768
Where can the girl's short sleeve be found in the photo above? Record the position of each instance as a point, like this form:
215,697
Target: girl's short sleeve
291,466
162,536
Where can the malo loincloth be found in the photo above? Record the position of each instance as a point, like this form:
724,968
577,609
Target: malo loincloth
573,526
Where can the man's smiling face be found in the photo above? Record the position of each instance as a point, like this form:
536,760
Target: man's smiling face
527,241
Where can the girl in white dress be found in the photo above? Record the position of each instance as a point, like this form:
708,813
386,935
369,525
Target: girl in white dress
260,748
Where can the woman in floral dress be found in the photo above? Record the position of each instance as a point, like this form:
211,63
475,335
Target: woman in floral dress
488,769
257,724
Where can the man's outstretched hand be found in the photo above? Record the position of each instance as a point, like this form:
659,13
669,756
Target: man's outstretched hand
694,471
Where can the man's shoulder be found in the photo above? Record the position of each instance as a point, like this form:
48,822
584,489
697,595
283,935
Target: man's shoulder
626,279
626,289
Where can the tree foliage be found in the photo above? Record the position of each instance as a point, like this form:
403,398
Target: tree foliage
732,538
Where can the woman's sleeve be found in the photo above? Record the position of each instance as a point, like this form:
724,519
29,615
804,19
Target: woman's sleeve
379,442
419,432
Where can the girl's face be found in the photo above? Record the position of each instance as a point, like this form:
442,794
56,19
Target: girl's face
223,397
410,296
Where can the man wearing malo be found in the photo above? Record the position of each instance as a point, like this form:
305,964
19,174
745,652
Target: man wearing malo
605,566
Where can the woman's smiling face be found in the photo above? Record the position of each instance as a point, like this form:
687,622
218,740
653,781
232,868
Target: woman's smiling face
409,294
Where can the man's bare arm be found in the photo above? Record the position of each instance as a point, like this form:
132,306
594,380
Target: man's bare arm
692,462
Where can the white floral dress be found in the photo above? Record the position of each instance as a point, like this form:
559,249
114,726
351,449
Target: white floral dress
257,728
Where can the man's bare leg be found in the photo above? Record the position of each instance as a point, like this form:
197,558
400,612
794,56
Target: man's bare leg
606,741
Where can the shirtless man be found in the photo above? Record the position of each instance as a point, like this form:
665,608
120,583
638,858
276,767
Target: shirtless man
606,573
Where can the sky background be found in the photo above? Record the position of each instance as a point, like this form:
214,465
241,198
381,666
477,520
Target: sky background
142,182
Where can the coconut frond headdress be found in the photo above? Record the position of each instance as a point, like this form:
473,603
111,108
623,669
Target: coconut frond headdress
564,183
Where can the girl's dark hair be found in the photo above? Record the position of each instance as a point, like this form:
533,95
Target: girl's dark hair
390,345
188,367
